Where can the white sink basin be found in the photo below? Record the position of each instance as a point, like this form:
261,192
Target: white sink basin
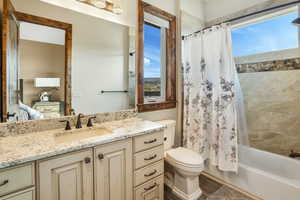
80,134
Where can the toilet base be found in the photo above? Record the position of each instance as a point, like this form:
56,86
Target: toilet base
183,187
186,187
184,196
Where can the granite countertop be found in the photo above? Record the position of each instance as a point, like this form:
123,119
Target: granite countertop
20,149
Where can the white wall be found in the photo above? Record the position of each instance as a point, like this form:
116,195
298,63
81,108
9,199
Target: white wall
220,8
192,16
193,7
160,115
99,60
167,5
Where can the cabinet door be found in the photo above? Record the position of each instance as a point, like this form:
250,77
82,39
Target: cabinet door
113,171
69,177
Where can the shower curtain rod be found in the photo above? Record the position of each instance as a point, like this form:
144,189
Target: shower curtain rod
245,16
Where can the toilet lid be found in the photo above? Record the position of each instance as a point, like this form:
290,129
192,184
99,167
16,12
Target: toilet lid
185,157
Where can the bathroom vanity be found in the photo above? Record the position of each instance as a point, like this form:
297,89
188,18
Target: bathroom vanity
118,160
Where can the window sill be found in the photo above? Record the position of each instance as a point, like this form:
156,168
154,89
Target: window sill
156,106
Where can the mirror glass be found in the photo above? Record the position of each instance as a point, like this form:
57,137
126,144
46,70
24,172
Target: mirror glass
41,69
47,77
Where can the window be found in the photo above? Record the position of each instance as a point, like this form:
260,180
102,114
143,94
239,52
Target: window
156,59
154,63
273,34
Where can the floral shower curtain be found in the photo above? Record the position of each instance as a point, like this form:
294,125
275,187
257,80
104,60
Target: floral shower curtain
210,116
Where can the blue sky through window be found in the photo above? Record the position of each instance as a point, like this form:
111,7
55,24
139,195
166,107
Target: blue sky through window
270,35
152,51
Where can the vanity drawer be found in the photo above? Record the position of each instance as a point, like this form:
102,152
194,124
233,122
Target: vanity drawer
148,141
152,190
23,195
143,175
48,108
15,179
148,157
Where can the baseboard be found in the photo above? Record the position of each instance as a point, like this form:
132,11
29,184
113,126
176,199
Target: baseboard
218,180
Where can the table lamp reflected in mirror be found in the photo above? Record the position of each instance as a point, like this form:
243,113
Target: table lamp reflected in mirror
46,83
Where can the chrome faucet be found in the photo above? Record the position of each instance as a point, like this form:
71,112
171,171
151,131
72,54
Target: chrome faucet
78,123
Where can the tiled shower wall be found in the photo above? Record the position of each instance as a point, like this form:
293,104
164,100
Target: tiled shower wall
272,100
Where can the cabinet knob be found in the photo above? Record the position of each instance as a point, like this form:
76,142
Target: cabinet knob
151,174
150,187
151,141
100,156
87,160
150,158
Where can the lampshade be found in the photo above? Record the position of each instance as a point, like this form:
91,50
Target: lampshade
47,82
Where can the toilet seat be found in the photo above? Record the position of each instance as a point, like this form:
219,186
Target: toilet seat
185,158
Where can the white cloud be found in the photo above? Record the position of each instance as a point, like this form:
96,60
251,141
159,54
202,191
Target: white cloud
147,61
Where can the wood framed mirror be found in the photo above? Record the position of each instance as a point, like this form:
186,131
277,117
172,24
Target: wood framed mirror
10,86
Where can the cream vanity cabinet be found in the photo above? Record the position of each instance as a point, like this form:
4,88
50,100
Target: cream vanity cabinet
123,170
66,177
18,183
105,170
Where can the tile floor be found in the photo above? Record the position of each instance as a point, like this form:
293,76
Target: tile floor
213,191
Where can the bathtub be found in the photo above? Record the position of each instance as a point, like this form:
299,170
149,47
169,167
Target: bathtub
266,175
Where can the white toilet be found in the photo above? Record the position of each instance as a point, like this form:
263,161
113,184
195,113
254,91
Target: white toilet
183,166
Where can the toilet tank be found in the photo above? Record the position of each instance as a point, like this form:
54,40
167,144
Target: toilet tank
169,133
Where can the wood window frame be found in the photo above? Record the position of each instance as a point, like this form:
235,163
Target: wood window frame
68,57
170,94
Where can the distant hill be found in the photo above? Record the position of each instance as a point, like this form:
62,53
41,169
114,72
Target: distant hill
152,86
152,80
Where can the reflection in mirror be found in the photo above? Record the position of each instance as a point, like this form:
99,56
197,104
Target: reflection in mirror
10,75
132,70
37,59
42,71
43,83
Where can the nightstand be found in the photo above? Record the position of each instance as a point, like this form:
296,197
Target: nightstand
48,109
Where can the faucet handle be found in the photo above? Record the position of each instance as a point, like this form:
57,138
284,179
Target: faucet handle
90,121
72,111
78,124
68,126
